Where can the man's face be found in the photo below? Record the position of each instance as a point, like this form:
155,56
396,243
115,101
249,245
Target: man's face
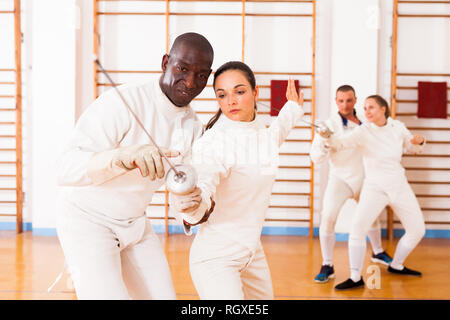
345,101
185,74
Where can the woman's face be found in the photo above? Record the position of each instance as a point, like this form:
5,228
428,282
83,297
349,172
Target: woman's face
235,96
374,113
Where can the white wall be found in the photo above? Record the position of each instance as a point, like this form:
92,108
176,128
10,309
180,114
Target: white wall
354,51
354,61
53,80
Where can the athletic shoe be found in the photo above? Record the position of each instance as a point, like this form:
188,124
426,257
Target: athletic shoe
382,258
326,273
350,284
405,271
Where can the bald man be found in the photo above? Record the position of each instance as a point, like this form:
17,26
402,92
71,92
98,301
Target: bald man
110,171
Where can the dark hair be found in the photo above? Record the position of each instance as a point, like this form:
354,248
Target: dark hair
231,65
381,102
346,88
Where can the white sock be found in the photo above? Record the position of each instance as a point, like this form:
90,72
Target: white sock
327,246
375,240
401,252
356,252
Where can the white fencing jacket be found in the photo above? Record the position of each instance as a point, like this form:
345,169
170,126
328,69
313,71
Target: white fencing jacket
106,125
344,164
236,164
382,149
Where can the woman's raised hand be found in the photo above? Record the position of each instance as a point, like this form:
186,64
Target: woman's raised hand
417,139
291,93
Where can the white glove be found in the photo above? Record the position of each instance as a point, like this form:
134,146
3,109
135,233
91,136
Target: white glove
106,165
145,157
332,144
192,207
325,147
186,203
324,131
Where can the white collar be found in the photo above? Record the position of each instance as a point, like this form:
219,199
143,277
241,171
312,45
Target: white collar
389,123
225,122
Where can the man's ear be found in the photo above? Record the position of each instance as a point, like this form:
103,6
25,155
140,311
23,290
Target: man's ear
164,62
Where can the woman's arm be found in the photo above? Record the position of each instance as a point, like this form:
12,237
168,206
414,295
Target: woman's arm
411,143
349,140
319,150
207,158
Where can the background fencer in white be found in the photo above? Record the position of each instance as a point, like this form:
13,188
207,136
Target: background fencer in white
382,141
110,171
346,175
236,170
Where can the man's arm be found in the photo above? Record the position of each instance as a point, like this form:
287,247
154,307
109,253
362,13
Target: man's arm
99,129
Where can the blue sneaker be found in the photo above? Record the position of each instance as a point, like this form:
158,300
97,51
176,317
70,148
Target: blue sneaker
382,258
326,273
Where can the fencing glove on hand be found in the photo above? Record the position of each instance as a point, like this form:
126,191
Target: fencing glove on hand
192,206
106,165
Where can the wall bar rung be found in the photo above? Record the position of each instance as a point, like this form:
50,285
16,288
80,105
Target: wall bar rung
429,128
292,180
411,88
430,182
433,195
411,114
424,15
423,2
405,74
262,1
428,169
427,155
286,220
103,13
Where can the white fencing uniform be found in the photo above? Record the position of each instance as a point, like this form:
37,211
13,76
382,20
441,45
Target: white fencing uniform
385,184
346,175
236,164
109,245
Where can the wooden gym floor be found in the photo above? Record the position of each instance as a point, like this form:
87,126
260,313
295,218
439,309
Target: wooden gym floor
29,265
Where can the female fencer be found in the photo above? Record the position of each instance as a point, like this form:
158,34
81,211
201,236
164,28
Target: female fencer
345,180
382,142
236,164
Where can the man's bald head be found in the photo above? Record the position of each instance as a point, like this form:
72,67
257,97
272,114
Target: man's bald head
192,40
186,68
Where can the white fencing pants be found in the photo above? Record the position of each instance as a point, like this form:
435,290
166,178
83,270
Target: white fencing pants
336,194
238,275
373,198
108,260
